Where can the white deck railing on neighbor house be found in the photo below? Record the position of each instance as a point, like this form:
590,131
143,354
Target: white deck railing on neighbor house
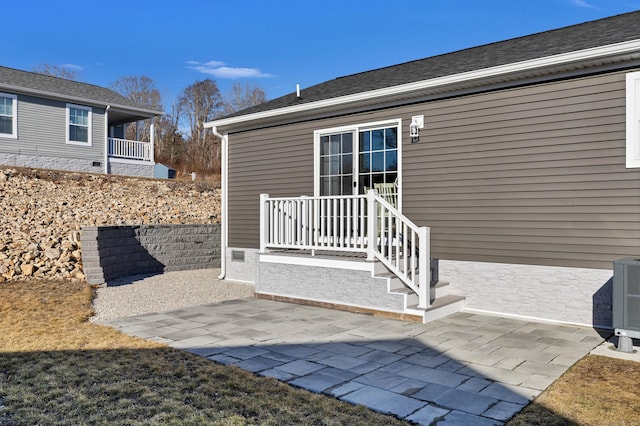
359,223
130,150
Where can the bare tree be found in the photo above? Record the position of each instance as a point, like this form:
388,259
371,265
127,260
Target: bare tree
243,96
56,71
199,103
141,90
170,143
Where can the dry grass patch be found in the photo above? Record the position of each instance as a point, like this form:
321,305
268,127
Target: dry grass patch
57,368
595,391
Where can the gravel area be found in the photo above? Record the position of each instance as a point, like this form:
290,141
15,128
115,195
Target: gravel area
145,294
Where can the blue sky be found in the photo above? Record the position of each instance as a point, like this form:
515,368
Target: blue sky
273,44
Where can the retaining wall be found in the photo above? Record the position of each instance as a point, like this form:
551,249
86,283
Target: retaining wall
110,252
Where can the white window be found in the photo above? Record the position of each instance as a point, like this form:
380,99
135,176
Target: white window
633,120
78,125
352,159
8,116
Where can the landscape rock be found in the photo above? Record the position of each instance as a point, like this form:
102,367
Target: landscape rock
42,213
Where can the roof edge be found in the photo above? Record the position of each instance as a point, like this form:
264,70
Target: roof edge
531,64
79,99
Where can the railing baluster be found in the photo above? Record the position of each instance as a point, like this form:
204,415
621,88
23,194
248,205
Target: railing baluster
359,223
334,231
132,150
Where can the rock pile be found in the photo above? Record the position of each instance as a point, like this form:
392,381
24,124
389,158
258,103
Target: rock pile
42,212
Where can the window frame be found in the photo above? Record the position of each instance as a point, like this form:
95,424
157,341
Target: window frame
14,117
69,124
356,129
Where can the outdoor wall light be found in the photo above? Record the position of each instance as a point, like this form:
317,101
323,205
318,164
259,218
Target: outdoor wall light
417,123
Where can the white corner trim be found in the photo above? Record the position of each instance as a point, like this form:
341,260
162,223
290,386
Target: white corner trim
633,119
224,222
531,64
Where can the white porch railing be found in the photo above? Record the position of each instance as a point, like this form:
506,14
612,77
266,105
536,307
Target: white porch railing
359,223
131,150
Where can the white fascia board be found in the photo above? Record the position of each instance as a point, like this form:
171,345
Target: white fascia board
532,64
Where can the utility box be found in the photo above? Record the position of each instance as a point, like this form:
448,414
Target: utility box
626,298
160,171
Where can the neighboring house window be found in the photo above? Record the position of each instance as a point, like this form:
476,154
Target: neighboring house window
633,119
78,125
8,115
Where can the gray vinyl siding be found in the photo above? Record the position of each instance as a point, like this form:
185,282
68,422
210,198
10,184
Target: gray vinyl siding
529,175
270,161
533,175
42,131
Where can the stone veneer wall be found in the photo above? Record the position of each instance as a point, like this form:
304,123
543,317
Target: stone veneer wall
326,284
573,295
110,252
54,163
130,168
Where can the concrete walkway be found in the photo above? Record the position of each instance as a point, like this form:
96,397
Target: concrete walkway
464,369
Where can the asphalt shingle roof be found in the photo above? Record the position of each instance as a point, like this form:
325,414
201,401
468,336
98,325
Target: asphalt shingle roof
31,81
615,29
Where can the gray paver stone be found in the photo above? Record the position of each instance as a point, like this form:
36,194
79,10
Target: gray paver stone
502,411
381,380
433,375
283,376
427,415
257,364
345,389
458,418
245,352
318,381
465,401
474,384
300,367
384,401
510,393
342,361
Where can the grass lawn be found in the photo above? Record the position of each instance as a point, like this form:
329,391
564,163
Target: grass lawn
58,368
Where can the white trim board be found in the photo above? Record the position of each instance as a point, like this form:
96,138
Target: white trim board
359,265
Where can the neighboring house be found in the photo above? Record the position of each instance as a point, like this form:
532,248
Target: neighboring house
53,123
517,165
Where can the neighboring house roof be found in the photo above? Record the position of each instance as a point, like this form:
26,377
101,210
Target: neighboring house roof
621,32
13,80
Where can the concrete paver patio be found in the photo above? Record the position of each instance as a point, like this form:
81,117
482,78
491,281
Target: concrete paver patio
463,369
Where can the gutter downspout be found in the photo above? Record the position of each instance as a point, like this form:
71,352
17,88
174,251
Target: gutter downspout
106,139
223,220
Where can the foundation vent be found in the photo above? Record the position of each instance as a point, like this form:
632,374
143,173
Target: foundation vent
237,256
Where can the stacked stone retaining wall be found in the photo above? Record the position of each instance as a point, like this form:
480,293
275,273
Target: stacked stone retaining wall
110,252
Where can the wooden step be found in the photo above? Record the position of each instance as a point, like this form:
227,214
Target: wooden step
440,308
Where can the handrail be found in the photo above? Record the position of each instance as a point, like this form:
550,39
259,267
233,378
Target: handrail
128,149
356,223
402,246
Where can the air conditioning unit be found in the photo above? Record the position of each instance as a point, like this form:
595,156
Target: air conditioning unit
626,302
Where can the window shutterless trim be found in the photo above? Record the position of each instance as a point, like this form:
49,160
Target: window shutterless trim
633,120
14,116
89,125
